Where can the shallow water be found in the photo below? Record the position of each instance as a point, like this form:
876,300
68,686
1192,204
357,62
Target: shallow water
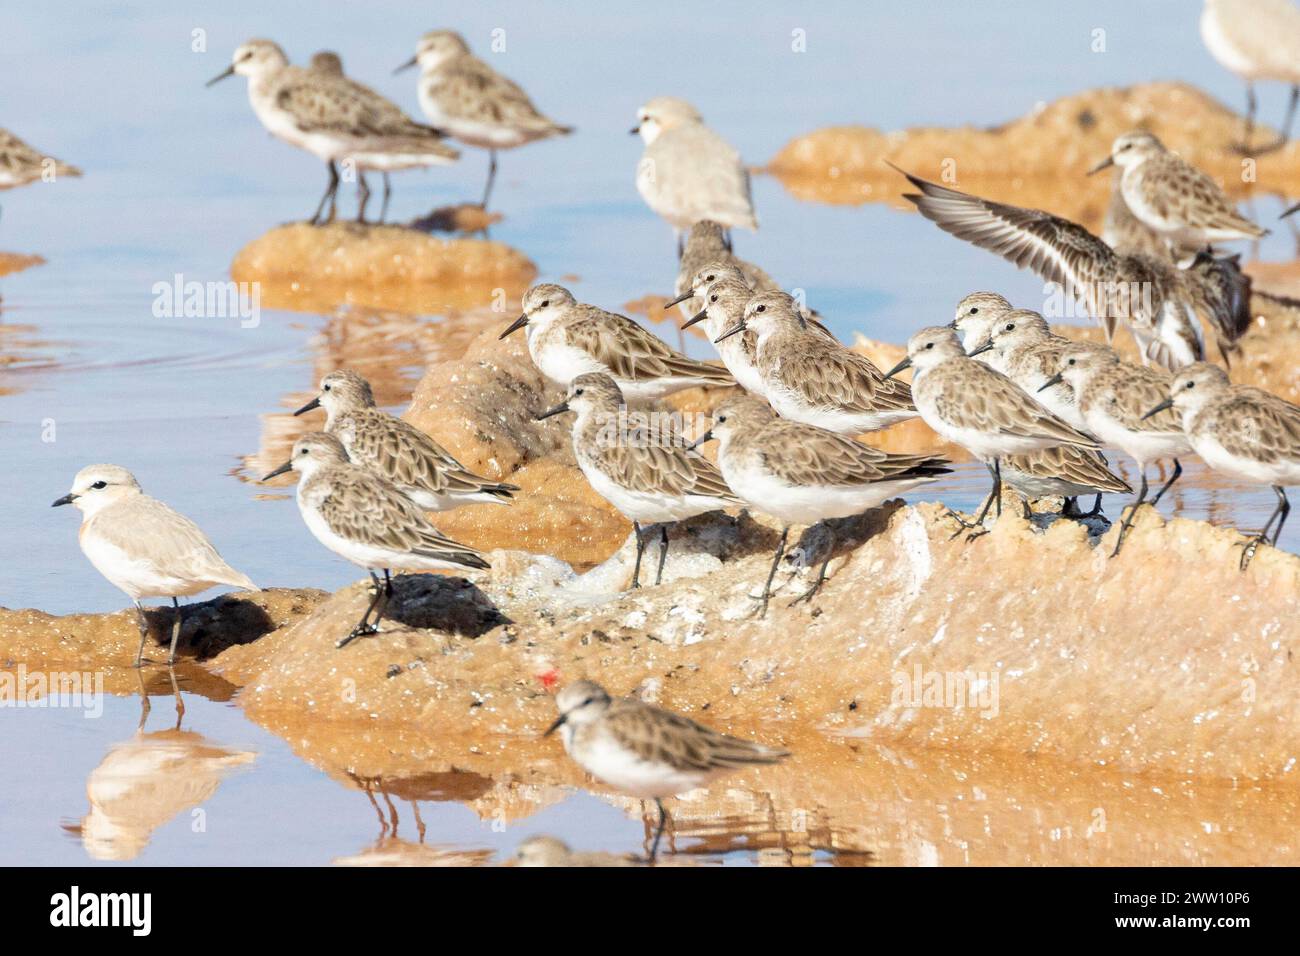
178,178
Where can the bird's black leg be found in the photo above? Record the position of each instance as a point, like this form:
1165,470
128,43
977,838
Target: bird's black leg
659,830
1279,514
492,175
143,622
383,605
995,470
640,547
821,573
1127,521
328,197
1284,135
1249,131
176,630
364,626
1178,470
363,197
663,552
776,560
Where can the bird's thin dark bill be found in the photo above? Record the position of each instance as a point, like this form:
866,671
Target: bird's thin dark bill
699,316
314,403
559,409
1167,403
906,363
65,500
515,326
730,332
559,722
1106,163
981,349
706,437
407,65
228,71
1056,379
287,466
1290,211
679,300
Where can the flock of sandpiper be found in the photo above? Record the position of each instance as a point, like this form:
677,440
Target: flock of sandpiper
1035,407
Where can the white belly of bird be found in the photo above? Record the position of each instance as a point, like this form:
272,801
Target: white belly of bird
474,132
739,363
808,504
280,124
369,556
137,576
606,760
1278,472
792,405
1142,447
646,507
1225,50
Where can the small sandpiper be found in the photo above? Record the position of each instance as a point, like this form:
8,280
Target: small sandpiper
810,378
979,408
398,451
1113,397
1243,432
367,520
1158,301
143,547
567,338
463,96
801,474
647,473
20,164
1173,197
332,118
687,171
645,751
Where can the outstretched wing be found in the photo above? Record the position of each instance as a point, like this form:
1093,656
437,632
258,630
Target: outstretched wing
1057,249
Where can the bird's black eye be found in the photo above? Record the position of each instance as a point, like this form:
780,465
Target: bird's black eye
545,303
722,418
1010,326
328,387
710,278
1191,384
713,298
1069,362
974,309
577,391
761,308
589,700
306,451
99,484
929,345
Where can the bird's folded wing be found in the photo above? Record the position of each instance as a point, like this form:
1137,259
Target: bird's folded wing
993,403
812,457
472,91
830,376
152,533
634,353
372,512
1259,425
323,104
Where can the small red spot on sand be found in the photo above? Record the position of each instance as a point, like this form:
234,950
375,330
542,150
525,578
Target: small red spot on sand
549,678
